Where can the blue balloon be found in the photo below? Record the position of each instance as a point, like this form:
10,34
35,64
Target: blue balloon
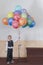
18,7
32,25
10,20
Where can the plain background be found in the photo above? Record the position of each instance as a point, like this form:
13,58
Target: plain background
27,33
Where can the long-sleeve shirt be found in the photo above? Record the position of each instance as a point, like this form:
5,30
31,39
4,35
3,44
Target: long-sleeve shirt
9,45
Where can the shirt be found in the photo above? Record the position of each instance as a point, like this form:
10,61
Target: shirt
9,45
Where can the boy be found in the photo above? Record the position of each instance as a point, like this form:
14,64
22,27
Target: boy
9,49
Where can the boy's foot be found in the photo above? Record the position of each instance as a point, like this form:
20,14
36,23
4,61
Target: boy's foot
8,62
12,61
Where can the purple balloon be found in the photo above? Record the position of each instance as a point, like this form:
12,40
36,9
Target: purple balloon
17,12
29,16
24,11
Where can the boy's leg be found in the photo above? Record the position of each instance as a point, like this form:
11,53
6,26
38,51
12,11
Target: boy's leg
12,56
7,56
8,60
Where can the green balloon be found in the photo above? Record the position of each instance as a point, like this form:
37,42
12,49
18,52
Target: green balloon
25,26
29,21
24,15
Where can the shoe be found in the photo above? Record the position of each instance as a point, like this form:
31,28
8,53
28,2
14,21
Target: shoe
8,62
12,61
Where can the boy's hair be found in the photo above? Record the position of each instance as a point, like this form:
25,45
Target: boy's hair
9,36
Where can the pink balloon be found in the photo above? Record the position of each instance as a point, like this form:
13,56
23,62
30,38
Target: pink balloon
15,24
16,17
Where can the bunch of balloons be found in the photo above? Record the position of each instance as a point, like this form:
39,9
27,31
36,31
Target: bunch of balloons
19,17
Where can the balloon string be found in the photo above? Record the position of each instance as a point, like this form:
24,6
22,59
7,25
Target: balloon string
19,34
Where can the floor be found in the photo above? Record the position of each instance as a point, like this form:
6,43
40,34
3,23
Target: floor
29,61
34,57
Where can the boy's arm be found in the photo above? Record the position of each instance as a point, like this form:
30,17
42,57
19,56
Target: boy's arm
6,45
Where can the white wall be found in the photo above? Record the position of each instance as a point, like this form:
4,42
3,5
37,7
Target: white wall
27,33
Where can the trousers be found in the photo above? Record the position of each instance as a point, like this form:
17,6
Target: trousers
9,55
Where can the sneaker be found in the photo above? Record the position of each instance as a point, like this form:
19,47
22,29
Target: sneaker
8,62
12,61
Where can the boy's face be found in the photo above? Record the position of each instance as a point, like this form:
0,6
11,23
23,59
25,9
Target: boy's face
9,38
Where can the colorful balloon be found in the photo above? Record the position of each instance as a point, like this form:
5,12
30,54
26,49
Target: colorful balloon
32,18
25,26
10,20
5,21
24,15
18,7
15,24
10,15
24,11
29,17
17,12
32,25
16,17
29,21
22,21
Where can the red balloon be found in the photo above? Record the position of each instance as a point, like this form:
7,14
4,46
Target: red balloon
17,17
15,24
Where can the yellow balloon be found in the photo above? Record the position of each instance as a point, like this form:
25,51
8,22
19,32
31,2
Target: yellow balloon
10,15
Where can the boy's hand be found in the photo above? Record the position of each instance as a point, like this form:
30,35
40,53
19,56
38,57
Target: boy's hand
5,50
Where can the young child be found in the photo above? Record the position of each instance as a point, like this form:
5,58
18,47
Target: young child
9,49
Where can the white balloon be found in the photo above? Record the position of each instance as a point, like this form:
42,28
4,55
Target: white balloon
40,4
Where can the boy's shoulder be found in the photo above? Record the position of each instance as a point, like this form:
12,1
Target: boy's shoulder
11,40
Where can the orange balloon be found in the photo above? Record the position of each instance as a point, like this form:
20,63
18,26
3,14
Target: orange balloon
22,21
5,21
32,18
